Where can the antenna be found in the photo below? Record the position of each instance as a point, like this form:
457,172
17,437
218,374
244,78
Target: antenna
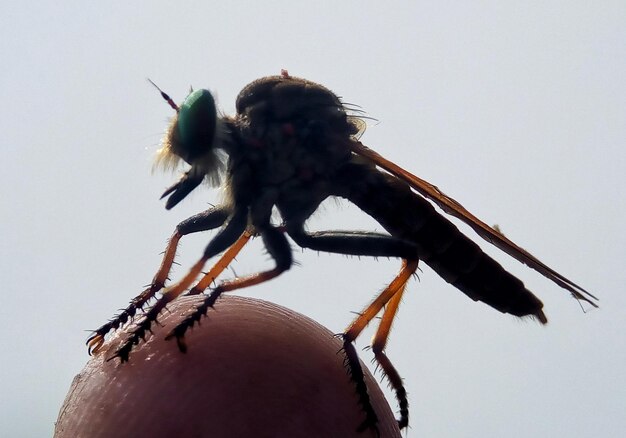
165,96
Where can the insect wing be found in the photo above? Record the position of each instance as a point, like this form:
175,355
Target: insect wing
453,208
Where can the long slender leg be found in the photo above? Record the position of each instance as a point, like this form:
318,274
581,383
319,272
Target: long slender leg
370,312
221,264
277,246
358,243
207,220
366,244
378,346
390,297
369,244
222,241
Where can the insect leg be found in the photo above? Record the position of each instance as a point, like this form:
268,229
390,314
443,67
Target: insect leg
223,240
358,243
355,371
379,342
221,264
207,220
390,297
277,246
372,244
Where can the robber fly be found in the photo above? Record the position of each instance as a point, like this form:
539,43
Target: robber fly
291,145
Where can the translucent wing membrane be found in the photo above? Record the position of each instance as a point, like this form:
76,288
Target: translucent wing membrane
453,208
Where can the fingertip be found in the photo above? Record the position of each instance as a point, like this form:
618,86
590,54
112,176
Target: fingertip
253,366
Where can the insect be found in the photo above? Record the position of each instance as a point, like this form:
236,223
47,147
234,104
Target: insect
291,145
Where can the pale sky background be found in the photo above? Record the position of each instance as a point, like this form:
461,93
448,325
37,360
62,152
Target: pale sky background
516,109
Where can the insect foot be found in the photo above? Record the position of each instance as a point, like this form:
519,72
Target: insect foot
355,371
96,340
138,333
179,331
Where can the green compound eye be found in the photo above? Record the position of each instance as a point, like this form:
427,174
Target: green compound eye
197,119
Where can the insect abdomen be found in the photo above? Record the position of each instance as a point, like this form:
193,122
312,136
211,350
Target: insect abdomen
451,254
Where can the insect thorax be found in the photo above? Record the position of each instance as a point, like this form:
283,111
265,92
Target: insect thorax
294,137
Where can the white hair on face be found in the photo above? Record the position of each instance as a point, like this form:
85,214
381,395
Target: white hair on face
211,164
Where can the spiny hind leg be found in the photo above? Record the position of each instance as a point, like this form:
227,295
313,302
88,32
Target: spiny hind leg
378,347
204,221
390,297
355,371
357,243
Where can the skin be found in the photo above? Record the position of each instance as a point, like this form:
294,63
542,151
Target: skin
252,369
